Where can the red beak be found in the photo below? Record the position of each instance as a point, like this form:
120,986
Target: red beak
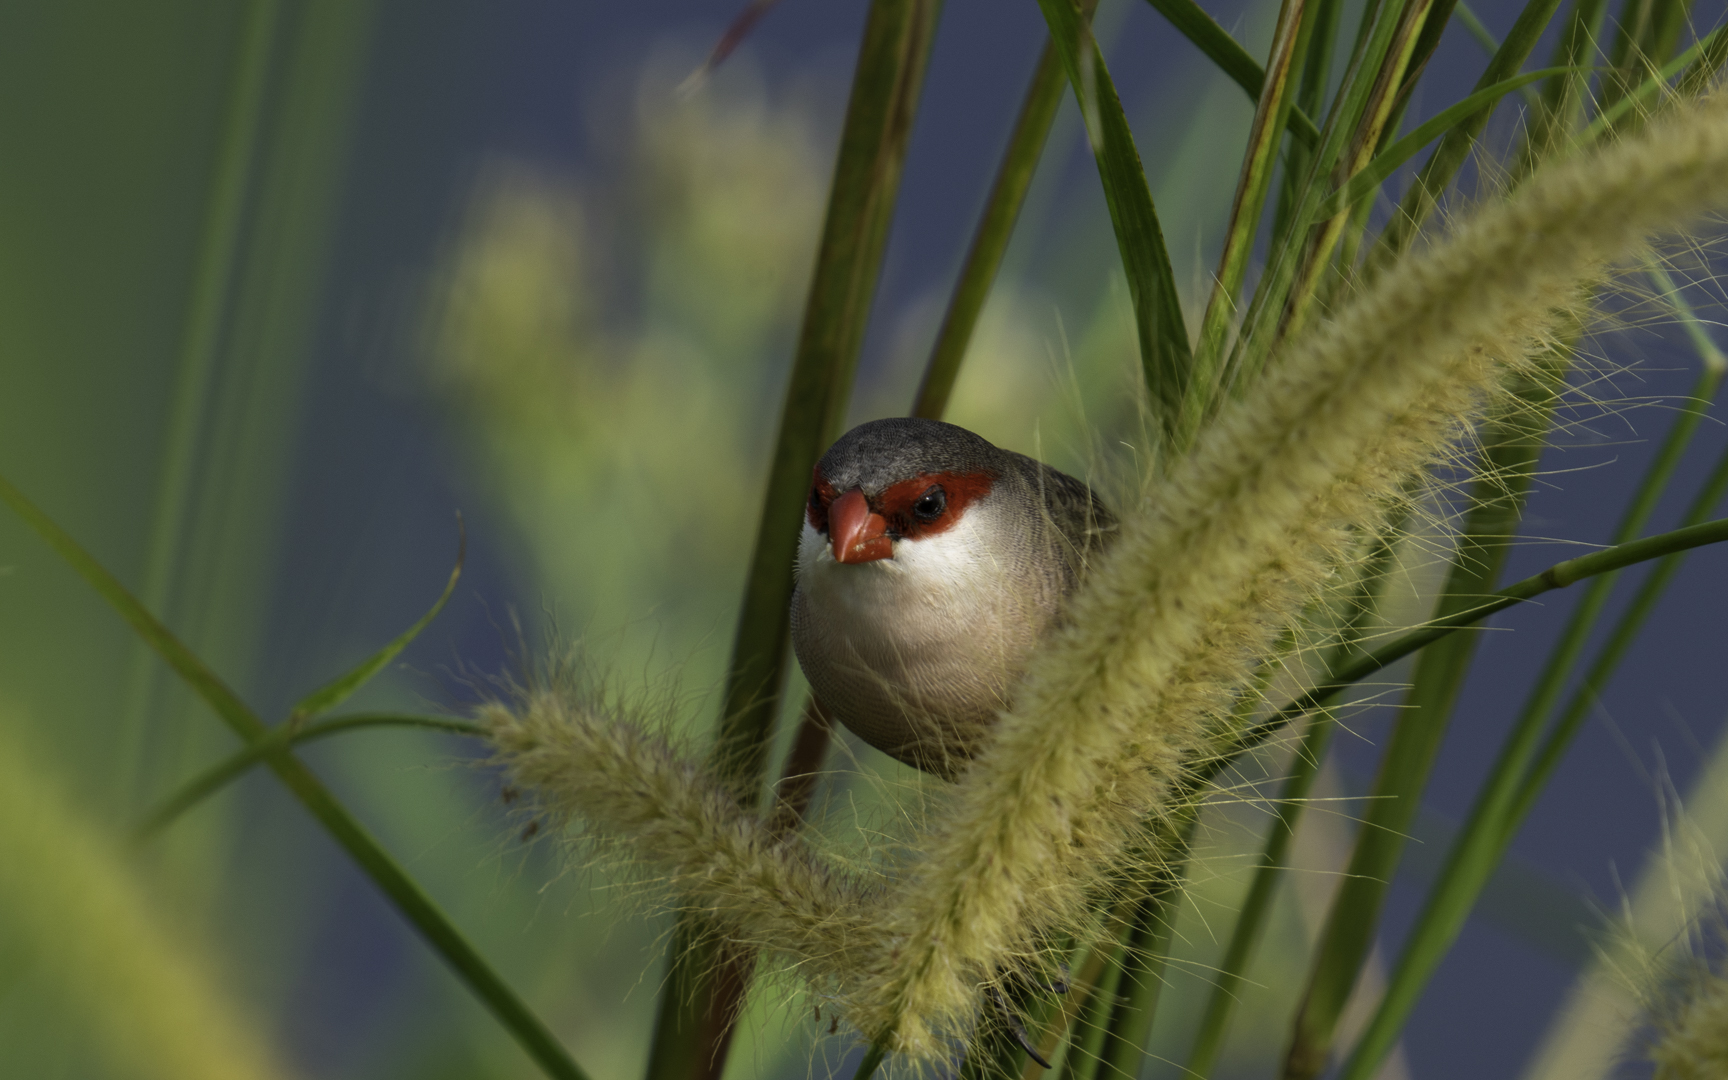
857,534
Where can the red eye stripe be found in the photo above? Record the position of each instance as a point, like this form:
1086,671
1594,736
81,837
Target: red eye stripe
822,495
960,489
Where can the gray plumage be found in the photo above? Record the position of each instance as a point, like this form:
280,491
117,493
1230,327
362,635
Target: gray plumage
918,652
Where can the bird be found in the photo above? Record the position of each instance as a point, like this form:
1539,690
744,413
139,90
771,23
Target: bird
930,566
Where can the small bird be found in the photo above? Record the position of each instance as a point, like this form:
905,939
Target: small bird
931,565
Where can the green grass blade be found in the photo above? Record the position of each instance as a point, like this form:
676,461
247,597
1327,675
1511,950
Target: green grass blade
1455,145
872,1060
1476,28
884,99
995,228
1559,576
1708,51
1513,784
1164,349
1257,904
217,776
212,287
1352,129
1232,59
410,899
1310,97
1289,49
1513,444
1123,1052
1388,160
332,694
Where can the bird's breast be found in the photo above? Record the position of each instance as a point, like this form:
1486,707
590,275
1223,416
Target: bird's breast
917,653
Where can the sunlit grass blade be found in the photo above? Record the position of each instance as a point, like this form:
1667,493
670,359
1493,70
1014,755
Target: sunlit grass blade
213,779
1513,445
1265,135
410,899
1310,96
1232,59
886,87
1388,160
332,694
1513,783
995,228
1708,53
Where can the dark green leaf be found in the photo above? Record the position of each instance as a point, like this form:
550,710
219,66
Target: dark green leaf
1164,350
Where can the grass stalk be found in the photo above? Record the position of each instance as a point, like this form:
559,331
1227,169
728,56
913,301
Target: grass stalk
283,737
1165,354
207,308
995,229
1513,783
1265,135
886,86
1144,952
1508,462
421,911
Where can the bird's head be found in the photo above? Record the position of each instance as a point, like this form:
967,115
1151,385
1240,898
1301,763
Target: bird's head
894,481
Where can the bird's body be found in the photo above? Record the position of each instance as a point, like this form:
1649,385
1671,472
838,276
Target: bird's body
931,565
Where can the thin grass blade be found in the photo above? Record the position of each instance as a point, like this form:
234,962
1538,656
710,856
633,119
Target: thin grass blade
1193,23
410,899
332,694
995,229
1265,134
691,1024
282,737
1164,351
1513,783
1388,160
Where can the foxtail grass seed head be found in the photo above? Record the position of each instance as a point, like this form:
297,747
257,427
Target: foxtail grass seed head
588,756
1222,557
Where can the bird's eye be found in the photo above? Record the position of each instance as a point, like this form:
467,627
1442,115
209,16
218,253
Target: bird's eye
815,498
930,505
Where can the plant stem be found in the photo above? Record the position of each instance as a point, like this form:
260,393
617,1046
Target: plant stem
1513,783
995,229
886,88
403,891
280,738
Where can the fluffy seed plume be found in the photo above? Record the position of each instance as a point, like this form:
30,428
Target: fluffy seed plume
1222,557
585,756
